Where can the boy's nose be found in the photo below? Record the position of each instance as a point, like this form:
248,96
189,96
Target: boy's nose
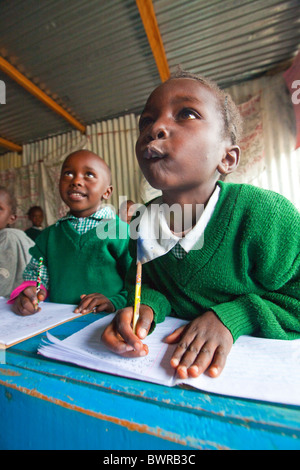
159,131
76,181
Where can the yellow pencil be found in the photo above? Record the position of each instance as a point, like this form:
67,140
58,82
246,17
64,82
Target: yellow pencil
137,299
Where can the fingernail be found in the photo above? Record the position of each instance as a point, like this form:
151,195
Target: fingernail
213,371
194,370
174,362
137,346
142,333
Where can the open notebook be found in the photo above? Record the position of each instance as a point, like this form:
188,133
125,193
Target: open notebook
256,368
15,328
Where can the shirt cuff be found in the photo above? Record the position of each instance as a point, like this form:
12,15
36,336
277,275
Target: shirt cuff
238,316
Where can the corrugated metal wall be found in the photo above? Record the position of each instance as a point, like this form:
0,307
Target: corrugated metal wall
282,163
10,160
52,148
114,141
228,41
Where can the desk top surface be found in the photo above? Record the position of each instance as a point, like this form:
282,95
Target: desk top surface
31,373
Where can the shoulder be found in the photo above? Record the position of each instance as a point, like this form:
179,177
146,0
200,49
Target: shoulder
15,235
266,217
259,201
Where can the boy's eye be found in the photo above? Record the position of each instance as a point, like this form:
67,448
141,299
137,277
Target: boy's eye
89,174
68,173
188,114
144,122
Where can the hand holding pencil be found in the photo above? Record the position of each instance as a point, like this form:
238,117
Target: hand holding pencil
119,336
28,300
131,325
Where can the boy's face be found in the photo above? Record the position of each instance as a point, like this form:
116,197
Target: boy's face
37,217
84,183
180,143
6,216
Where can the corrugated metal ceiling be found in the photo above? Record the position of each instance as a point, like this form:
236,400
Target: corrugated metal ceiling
93,56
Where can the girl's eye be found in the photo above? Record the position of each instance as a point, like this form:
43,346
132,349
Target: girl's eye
188,114
68,173
89,174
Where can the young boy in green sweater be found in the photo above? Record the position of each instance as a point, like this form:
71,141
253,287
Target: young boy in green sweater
83,263
235,269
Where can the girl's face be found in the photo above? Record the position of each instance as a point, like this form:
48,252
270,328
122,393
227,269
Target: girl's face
84,183
180,143
6,216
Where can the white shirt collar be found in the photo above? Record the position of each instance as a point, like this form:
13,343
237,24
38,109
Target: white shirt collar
156,238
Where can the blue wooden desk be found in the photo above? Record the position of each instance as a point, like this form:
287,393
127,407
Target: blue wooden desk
46,404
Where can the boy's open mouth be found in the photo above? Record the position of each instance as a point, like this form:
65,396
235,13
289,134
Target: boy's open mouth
76,195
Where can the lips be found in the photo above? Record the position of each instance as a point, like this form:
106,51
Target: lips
152,153
76,195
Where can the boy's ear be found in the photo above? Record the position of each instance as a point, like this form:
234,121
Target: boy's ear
230,160
107,193
11,220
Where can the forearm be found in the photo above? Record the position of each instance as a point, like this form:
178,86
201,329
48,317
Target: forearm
272,316
31,272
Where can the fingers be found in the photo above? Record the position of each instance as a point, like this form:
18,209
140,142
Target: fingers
119,337
27,302
94,303
41,295
195,360
144,322
175,336
203,346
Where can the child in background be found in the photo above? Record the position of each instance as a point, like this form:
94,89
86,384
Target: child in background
236,269
126,210
79,267
36,216
14,245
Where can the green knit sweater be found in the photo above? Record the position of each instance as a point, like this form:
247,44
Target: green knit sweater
84,264
247,272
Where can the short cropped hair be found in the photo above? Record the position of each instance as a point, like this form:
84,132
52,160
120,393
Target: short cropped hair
32,209
229,111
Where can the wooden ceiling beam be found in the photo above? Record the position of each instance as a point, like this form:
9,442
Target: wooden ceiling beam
13,73
149,20
10,145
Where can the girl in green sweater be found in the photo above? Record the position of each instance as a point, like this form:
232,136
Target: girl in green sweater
235,269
